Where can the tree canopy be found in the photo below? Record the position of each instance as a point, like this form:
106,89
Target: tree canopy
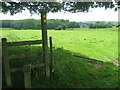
38,7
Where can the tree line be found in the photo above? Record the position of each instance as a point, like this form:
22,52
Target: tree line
57,24
99,24
102,25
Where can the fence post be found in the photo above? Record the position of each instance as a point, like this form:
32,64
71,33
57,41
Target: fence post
51,57
27,75
6,62
45,43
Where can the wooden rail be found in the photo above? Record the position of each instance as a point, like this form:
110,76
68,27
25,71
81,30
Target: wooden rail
24,43
27,67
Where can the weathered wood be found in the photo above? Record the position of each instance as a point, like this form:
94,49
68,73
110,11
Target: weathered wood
27,76
51,59
6,62
24,43
45,43
22,55
88,58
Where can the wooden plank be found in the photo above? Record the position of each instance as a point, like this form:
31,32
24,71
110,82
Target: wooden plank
45,43
24,43
27,76
51,59
6,62
88,58
22,55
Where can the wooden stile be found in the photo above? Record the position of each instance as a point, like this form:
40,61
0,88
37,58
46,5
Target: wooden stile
6,62
27,67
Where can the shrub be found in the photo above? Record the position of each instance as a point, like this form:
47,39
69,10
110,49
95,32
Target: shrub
58,28
64,26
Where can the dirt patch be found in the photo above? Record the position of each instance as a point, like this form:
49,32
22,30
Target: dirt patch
117,62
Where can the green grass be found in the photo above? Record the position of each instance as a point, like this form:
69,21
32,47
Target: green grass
72,72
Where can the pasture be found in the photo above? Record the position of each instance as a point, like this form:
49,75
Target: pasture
71,72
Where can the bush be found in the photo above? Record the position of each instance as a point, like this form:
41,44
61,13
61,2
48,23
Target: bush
64,26
58,28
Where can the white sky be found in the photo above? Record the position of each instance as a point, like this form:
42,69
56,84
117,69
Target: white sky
98,14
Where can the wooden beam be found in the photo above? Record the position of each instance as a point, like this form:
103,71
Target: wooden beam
6,62
45,42
27,76
24,43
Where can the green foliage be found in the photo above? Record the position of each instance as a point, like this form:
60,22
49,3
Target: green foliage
33,7
6,23
64,26
73,25
100,25
29,24
58,28
17,24
36,24
54,23
38,7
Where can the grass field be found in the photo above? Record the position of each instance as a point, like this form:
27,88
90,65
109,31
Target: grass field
72,72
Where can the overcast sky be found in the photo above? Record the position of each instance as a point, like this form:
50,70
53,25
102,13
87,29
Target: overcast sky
98,14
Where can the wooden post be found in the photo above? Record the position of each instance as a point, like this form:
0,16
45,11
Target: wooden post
45,42
6,62
51,59
27,76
